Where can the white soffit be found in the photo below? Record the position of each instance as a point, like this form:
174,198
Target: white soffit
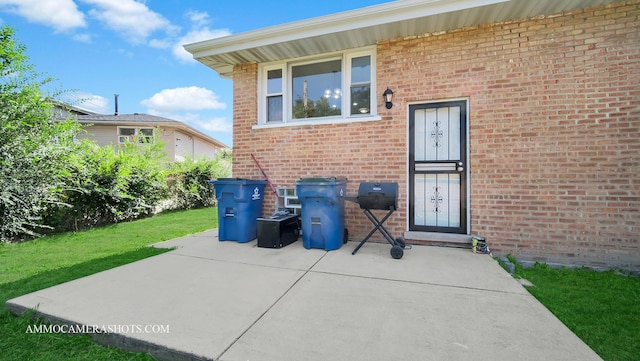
367,26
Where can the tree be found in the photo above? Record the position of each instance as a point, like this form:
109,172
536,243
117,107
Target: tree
33,148
319,108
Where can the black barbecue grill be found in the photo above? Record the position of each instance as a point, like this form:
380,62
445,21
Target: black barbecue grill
380,196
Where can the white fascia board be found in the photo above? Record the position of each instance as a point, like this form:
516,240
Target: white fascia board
394,11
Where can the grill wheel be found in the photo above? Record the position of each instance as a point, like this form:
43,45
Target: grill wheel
396,252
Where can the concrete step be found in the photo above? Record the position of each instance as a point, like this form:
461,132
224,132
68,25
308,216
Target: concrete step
438,239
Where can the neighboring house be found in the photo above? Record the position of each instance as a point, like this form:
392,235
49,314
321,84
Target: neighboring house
514,120
181,141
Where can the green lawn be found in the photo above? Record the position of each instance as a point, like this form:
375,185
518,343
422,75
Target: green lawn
602,308
35,265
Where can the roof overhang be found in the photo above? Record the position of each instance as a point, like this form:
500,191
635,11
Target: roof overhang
367,26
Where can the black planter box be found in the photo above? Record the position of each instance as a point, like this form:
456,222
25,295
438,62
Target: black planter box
278,231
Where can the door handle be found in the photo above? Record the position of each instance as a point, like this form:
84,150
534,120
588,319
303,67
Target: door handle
460,167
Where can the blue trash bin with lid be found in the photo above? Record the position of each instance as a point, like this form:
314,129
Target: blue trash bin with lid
322,212
239,207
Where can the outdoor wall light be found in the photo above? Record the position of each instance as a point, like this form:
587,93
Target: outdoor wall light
388,98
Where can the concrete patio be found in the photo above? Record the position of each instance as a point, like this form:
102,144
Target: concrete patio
230,301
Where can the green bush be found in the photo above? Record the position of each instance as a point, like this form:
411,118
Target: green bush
112,184
117,184
189,181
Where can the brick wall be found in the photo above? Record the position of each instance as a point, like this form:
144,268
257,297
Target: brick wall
554,132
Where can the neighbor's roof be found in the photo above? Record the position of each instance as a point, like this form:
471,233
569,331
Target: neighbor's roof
64,108
143,120
367,26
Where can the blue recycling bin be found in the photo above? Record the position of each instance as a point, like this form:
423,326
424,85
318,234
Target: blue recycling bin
239,207
322,213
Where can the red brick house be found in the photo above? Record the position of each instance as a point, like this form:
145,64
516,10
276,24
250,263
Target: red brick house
515,120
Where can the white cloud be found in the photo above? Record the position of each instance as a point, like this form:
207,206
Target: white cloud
62,15
209,126
195,36
198,18
88,101
83,38
96,104
199,32
160,43
132,19
185,98
221,125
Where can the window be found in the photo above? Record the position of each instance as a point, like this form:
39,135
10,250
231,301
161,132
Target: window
332,88
129,135
145,135
274,95
290,199
126,135
316,89
361,85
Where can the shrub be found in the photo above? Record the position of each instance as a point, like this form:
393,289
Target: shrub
111,185
116,184
34,150
189,181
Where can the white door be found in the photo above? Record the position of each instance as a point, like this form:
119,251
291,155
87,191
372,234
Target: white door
184,146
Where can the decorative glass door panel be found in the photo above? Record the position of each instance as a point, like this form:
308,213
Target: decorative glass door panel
437,200
437,167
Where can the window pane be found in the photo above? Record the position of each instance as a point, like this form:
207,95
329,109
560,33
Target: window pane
127,131
361,100
145,135
361,70
274,81
317,89
274,108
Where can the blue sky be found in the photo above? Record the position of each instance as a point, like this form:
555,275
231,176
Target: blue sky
97,48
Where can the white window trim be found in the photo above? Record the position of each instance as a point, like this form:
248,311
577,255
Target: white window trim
136,132
287,95
263,90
